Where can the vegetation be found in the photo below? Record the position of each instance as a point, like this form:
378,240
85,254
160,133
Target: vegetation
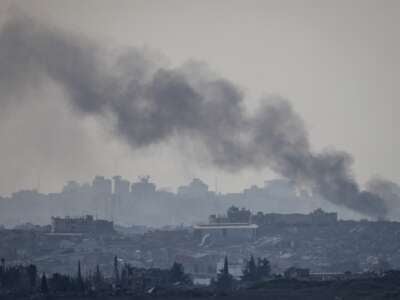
23,282
177,275
44,288
225,281
254,272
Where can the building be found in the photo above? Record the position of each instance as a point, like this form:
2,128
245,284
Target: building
199,265
196,189
86,224
233,215
121,187
144,188
317,217
102,191
226,231
320,217
102,186
297,273
331,276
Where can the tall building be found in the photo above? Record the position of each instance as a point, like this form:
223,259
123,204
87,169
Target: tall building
196,189
102,190
121,186
143,188
102,186
120,198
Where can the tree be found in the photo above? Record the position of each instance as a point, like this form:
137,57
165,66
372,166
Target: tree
263,268
116,271
98,279
177,274
12,277
224,281
61,283
255,272
124,278
43,285
32,274
250,271
79,279
2,271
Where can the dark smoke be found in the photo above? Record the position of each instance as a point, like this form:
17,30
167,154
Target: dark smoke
389,191
150,104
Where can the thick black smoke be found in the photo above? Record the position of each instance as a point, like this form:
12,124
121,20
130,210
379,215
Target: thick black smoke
150,104
389,191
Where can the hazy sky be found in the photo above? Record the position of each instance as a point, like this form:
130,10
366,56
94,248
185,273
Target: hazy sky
338,62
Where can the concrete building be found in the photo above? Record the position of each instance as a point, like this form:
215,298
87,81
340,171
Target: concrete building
121,187
86,224
317,217
102,190
296,273
144,188
200,265
196,189
102,186
226,231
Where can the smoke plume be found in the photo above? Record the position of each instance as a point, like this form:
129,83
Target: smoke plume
389,191
149,104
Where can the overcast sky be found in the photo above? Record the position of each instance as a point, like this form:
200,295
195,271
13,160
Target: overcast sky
338,62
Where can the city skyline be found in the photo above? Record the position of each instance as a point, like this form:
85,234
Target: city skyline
199,149
307,30
75,101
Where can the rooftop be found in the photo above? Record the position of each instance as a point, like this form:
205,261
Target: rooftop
226,226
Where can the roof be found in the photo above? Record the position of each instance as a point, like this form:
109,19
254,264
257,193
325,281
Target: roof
64,234
226,226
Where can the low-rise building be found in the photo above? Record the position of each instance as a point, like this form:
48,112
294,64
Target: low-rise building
85,224
317,217
227,231
297,273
